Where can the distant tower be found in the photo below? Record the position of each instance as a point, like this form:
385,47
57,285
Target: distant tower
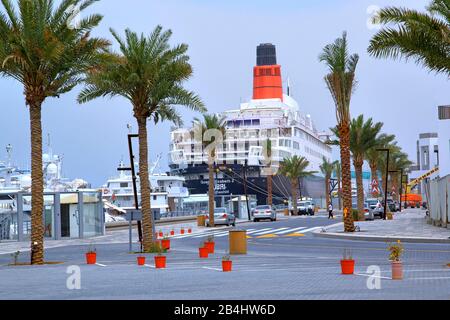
267,83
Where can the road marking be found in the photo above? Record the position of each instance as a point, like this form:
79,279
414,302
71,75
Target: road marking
248,237
149,265
255,231
215,234
209,268
101,265
295,235
270,231
290,230
266,236
371,276
309,230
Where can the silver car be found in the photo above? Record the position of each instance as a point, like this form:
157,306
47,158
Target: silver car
223,217
264,212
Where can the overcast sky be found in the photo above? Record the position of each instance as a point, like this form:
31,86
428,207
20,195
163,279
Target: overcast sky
222,38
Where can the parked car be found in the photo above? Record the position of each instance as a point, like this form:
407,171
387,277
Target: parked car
264,212
223,217
376,207
368,213
305,208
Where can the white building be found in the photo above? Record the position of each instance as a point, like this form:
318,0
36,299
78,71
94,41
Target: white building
427,158
444,140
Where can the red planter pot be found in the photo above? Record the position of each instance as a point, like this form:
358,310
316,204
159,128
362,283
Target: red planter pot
140,261
91,257
397,270
160,234
227,266
182,231
160,262
348,266
210,247
189,230
165,244
203,252
172,233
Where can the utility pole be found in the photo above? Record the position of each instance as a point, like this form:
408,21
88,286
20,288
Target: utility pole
133,177
386,181
401,187
245,190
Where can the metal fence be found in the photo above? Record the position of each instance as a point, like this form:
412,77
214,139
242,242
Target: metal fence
438,201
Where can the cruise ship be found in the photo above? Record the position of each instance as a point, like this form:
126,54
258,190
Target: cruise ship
271,114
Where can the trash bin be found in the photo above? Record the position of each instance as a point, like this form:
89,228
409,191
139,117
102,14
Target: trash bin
238,241
286,212
201,219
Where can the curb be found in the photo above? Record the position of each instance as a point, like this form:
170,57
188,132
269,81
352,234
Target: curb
332,235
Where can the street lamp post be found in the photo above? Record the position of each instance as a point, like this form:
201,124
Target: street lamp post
386,182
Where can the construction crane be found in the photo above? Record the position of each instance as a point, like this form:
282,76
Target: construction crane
415,182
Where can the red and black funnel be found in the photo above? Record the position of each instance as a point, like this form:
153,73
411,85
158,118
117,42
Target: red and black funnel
267,83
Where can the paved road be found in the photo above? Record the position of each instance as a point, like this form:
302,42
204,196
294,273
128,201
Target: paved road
285,261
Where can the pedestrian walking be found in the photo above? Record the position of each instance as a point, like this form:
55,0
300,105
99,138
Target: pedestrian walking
330,211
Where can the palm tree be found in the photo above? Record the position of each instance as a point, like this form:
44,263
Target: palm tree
373,156
150,75
209,133
398,161
363,136
338,171
42,50
341,83
327,168
424,37
294,169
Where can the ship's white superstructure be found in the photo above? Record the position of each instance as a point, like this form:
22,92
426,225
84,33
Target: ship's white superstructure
167,191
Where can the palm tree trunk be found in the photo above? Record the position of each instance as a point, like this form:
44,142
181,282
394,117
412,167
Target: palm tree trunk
147,215
294,184
344,134
269,190
395,185
339,192
37,186
211,190
327,191
374,174
358,163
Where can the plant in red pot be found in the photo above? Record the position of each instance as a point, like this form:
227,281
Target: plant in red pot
165,243
160,258
189,230
182,230
396,251
203,251
227,264
141,259
210,244
347,263
91,255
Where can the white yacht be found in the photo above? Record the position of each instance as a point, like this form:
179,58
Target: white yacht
271,114
167,192
14,179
